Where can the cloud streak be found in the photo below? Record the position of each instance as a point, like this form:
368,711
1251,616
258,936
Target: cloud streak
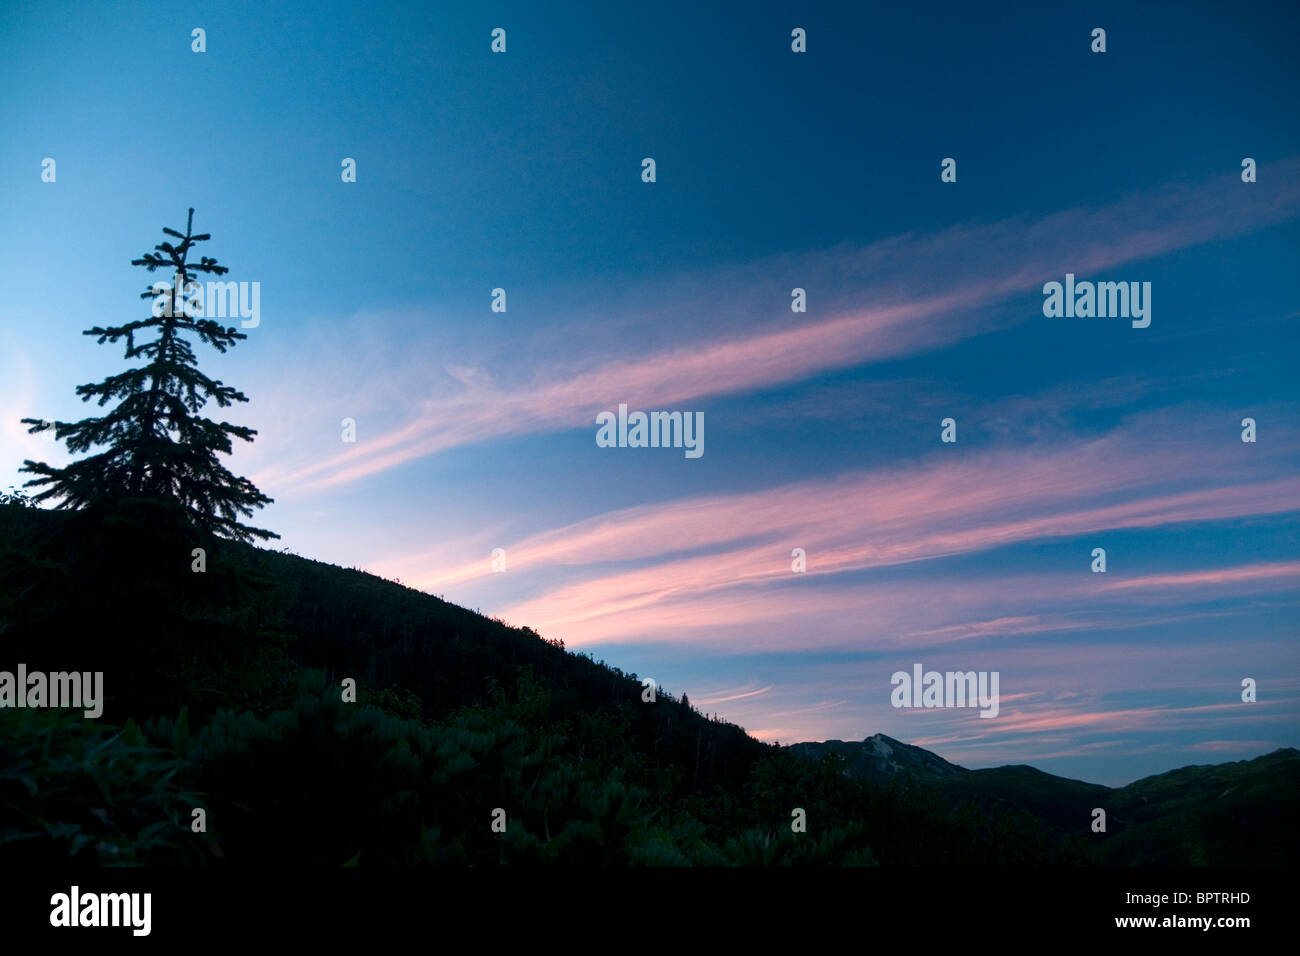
720,562
947,278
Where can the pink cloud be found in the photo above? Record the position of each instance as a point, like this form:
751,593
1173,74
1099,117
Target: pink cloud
1234,746
893,516
857,522
1018,254
1211,578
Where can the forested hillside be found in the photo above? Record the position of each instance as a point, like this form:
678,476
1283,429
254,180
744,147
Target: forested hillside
224,693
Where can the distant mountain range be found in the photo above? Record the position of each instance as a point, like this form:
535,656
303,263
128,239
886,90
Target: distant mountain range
1240,813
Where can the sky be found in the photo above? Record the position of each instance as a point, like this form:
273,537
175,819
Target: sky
774,170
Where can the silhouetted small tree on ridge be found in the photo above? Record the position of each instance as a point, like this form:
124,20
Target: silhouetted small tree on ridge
158,446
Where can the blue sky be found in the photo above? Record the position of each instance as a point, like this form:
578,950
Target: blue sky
775,170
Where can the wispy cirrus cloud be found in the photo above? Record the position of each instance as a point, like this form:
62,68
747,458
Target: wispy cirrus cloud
710,698
1082,699
926,293
716,563
1046,732
1215,577
1139,475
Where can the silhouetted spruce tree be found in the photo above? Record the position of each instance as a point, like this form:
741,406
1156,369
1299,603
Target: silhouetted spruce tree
159,449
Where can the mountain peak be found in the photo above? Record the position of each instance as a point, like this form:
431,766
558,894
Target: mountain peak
880,758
